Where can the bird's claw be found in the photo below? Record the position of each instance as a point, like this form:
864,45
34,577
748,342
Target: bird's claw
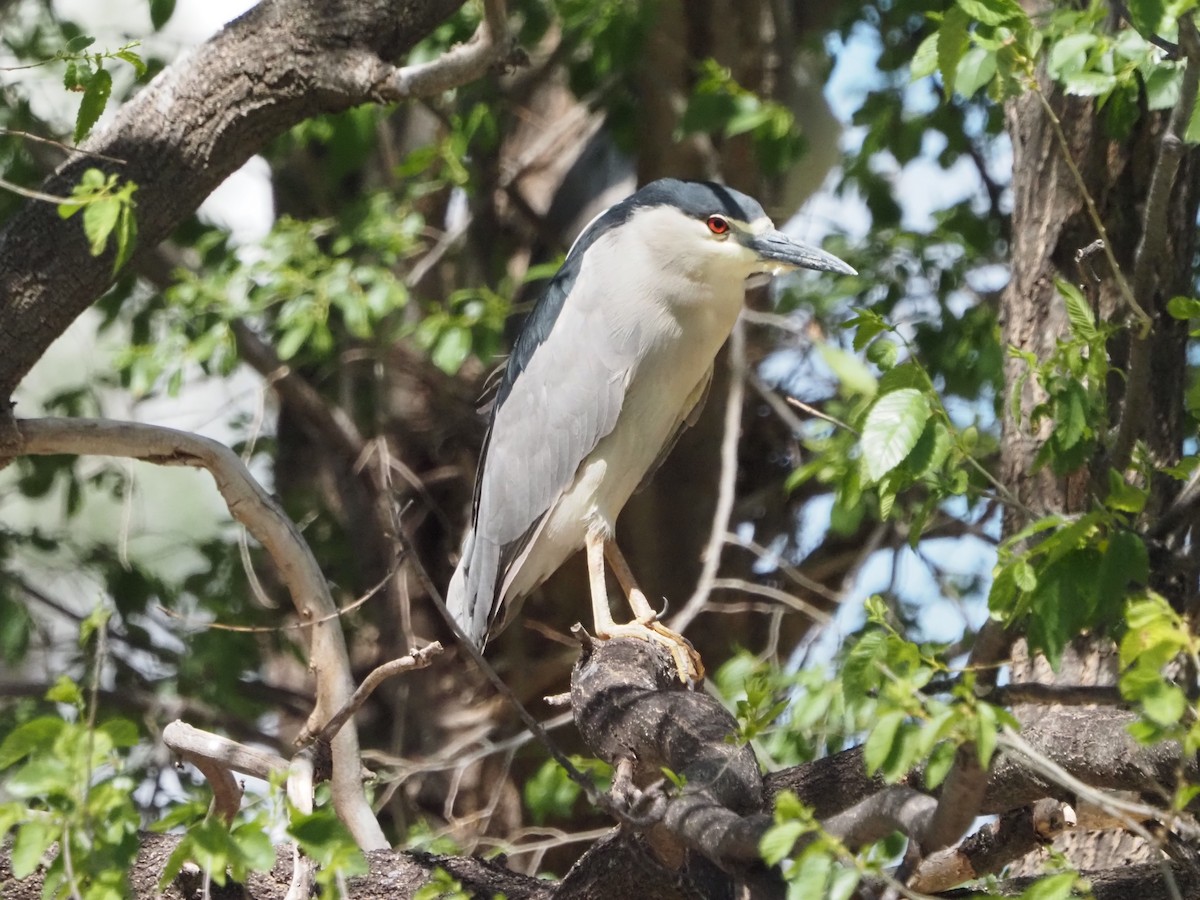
688,665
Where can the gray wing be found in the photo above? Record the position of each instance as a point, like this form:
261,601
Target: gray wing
555,406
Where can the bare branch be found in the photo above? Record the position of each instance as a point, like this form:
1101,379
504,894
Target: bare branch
418,659
488,47
218,758
711,556
993,846
266,521
1147,262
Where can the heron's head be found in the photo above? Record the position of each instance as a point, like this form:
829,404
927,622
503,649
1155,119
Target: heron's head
710,228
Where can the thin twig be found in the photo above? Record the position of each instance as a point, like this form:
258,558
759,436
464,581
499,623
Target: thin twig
763,590
66,148
1093,213
418,659
279,629
813,411
30,194
726,483
809,584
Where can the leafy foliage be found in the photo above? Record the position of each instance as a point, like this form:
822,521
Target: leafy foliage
402,239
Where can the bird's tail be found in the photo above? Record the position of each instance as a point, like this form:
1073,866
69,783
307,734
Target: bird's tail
472,591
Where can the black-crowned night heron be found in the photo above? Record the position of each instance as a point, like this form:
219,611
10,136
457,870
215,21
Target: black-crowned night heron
613,362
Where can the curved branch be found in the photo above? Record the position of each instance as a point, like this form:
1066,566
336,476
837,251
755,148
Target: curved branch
270,526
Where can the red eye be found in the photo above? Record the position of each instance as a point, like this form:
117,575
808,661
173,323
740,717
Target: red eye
718,224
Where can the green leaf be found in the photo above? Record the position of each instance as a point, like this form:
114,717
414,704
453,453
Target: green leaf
1146,15
160,12
1023,575
939,764
1079,312
95,98
993,12
1069,54
1123,496
64,690
1192,135
1184,308
892,429
883,353
851,372
1164,704
550,793
126,236
1055,887
31,843
1089,84
931,450
452,349
95,621
79,43
881,740
811,875
951,44
36,734
99,218
139,65
866,325
975,69
122,732
777,843
842,883
925,59
40,777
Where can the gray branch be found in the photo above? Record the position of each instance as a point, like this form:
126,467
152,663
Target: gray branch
270,526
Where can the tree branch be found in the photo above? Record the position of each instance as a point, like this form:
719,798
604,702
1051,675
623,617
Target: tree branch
1153,243
197,122
270,526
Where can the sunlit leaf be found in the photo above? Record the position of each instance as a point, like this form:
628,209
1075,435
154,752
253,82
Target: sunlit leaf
892,429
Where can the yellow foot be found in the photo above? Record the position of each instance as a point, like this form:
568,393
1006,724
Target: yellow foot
688,664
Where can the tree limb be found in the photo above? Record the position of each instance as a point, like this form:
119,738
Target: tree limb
270,526
197,122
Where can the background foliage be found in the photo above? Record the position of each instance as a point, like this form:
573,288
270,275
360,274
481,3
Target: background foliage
873,531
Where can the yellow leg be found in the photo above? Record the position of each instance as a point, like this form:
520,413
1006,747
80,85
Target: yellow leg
645,626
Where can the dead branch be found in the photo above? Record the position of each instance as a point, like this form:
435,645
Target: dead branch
490,46
249,504
418,659
994,846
